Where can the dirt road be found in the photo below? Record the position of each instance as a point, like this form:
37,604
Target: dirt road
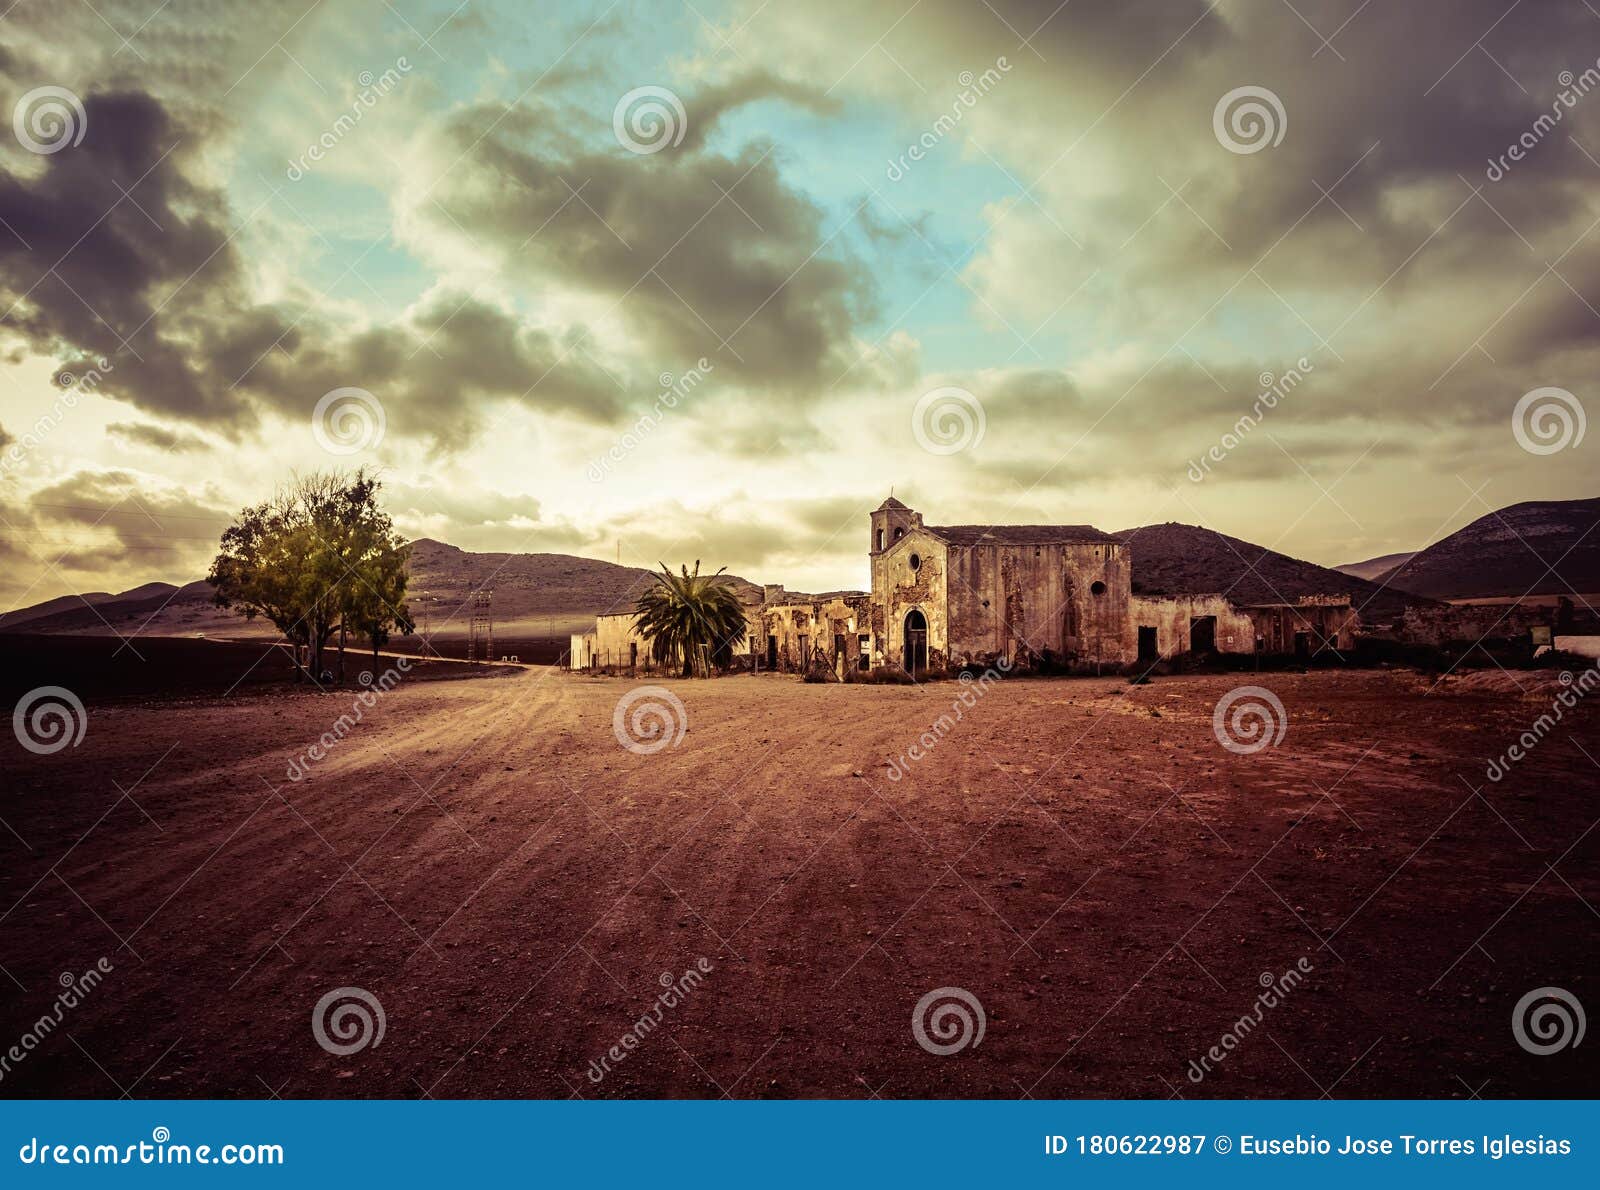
1082,858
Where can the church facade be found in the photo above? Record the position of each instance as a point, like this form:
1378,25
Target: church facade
966,595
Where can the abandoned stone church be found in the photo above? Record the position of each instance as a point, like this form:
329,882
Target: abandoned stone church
954,595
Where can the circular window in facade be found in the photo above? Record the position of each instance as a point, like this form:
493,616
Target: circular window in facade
1097,588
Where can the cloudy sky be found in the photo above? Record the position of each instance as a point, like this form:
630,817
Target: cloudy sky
1021,262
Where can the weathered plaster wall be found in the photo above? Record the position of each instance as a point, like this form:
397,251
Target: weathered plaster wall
898,586
802,628
1172,616
1013,600
1327,620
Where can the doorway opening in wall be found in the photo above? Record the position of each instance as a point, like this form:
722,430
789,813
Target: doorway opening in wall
864,662
1302,645
1148,649
772,652
916,642
838,654
1203,634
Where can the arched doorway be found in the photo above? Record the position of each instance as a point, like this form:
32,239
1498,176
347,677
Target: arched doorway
916,642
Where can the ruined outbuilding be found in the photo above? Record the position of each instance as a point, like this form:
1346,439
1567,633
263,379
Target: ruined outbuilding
967,595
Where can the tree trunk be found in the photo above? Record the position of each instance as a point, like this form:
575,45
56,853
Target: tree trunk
341,652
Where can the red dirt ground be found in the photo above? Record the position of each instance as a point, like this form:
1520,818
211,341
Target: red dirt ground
1080,855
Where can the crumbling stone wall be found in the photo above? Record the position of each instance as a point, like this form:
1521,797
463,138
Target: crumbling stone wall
898,586
1173,616
1019,600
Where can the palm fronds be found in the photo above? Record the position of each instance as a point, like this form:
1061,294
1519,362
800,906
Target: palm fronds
681,614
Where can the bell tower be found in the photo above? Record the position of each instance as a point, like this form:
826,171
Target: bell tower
891,521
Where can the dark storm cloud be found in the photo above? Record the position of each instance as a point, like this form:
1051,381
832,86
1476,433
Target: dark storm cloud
113,251
157,437
704,253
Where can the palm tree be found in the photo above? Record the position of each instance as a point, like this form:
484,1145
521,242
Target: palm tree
680,614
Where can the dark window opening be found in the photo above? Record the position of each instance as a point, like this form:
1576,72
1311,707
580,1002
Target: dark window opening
1097,588
899,533
1148,648
880,540
1203,634
916,562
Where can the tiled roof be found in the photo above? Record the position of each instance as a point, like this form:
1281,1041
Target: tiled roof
1019,534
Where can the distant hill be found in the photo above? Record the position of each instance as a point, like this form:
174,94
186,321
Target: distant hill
1175,559
533,593
1375,568
1509,552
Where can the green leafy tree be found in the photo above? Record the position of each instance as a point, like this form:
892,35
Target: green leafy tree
681,614
319,557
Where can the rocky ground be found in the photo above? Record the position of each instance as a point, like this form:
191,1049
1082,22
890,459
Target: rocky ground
1082,858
